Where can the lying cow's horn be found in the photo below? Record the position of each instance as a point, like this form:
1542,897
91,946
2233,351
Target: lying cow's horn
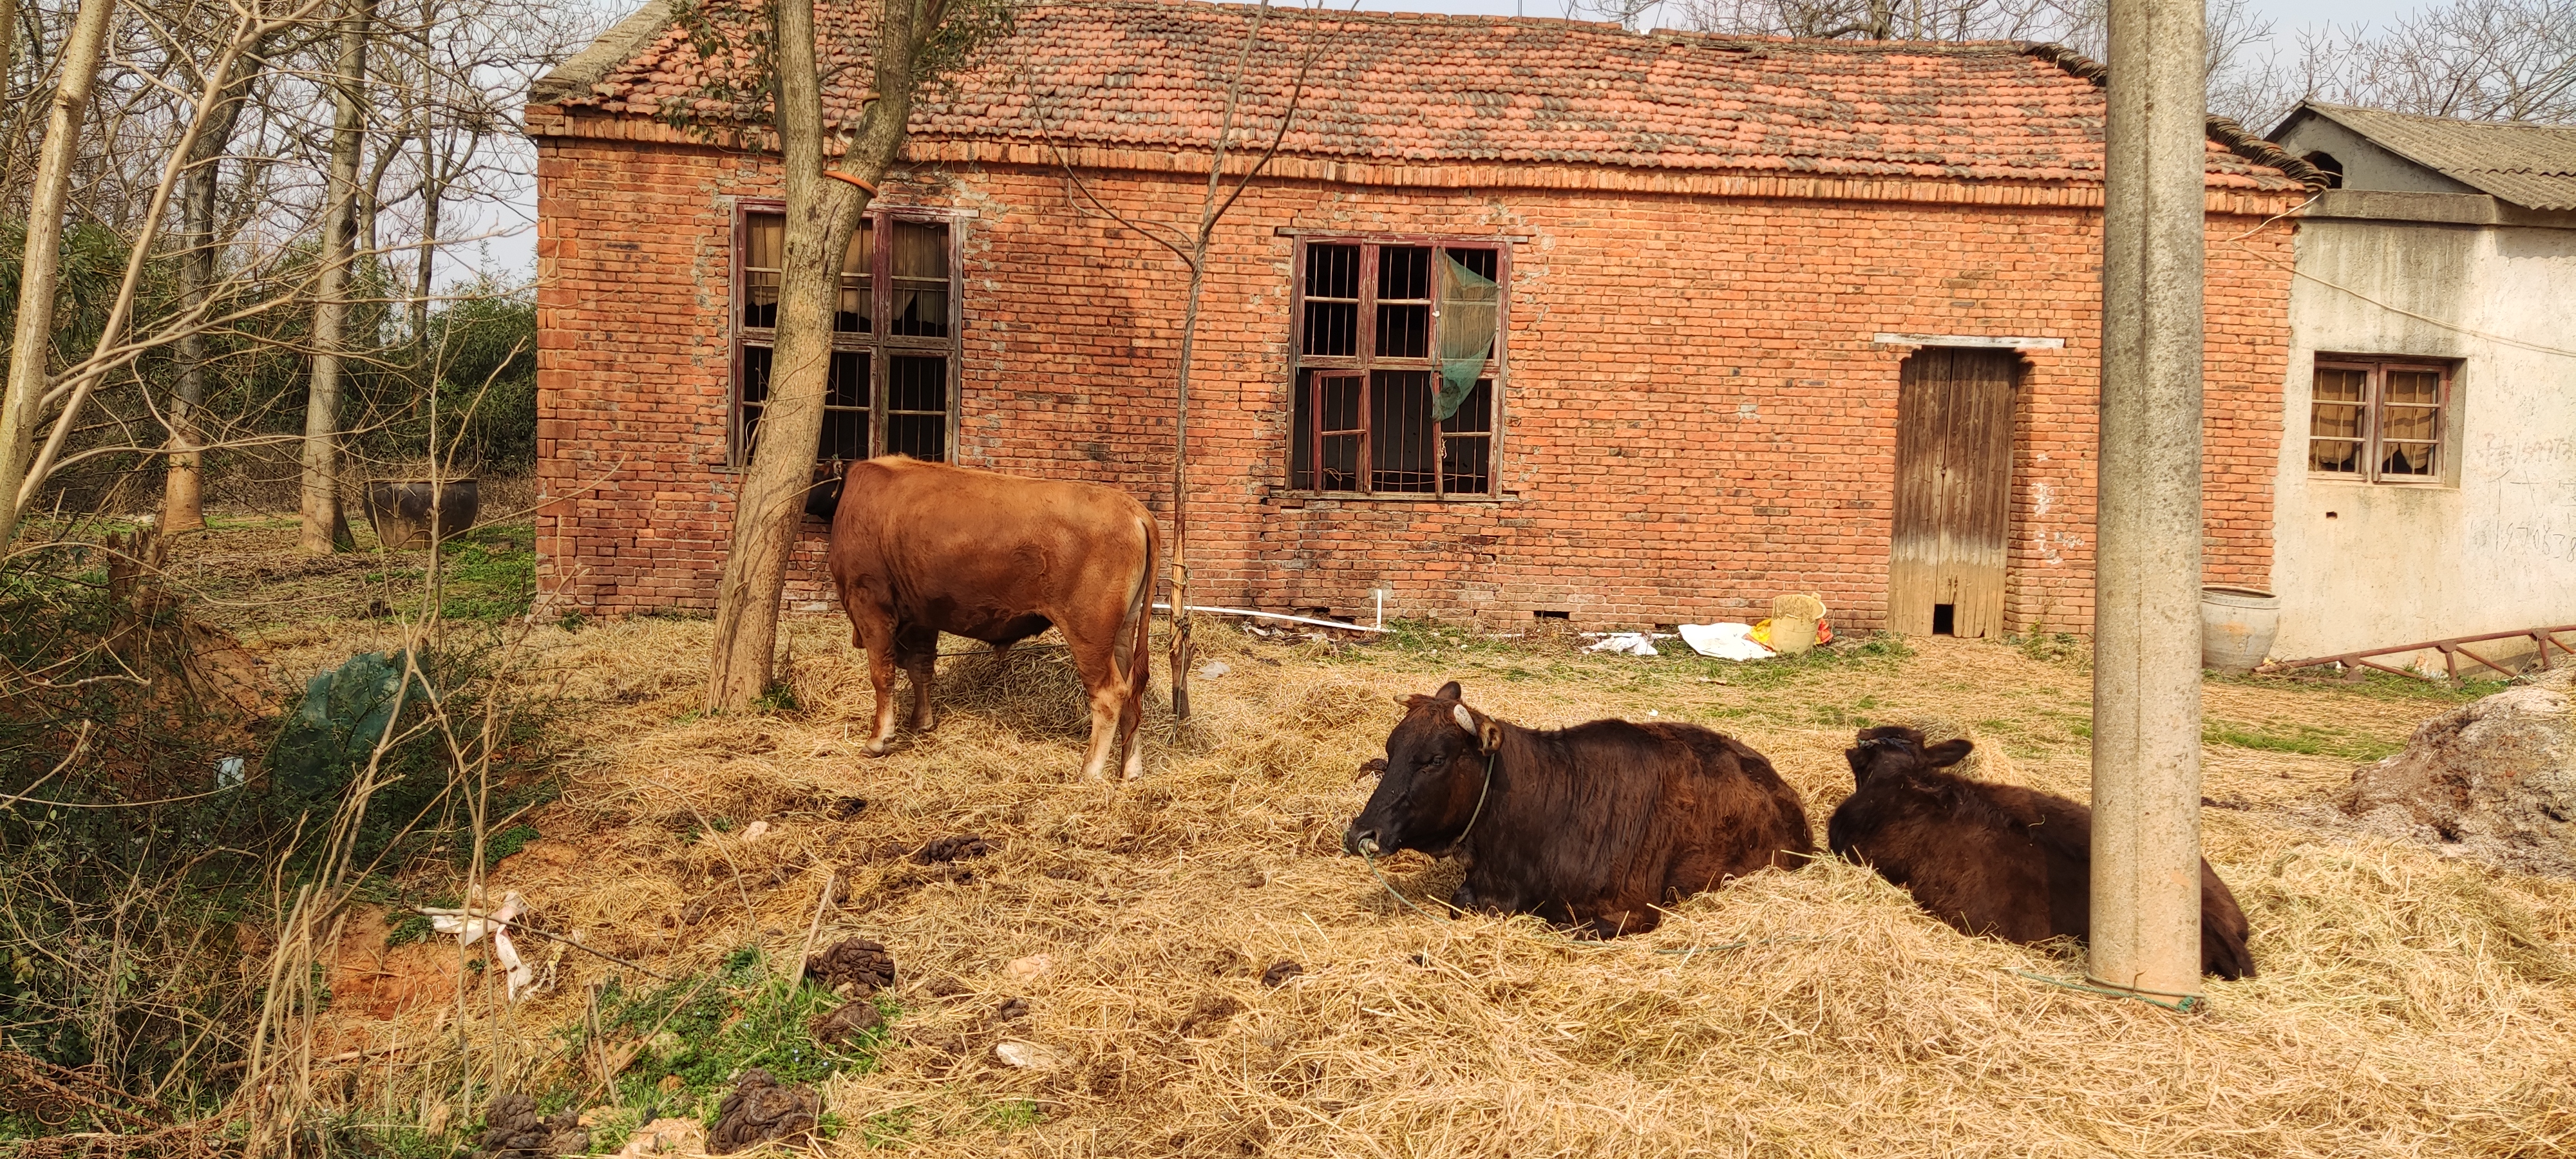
1466,719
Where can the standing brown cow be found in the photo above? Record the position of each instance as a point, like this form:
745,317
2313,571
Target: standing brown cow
923,548
1593,825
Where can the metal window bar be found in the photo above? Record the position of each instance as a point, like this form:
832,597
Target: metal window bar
1367,328
911,282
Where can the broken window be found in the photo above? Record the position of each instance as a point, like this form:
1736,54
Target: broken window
1399,360
2379,420
891,387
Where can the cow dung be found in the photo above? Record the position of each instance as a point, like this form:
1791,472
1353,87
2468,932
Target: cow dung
513,1130
1280,972
2493,780
762,1109
846,1022
1210,1015
958,848
859,963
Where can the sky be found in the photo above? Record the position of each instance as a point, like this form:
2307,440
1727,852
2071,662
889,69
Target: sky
513,253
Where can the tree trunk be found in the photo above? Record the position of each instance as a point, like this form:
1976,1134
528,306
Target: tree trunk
1181,646
182,498
326,526
40,265
822,214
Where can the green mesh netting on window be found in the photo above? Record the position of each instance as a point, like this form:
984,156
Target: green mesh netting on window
1468,301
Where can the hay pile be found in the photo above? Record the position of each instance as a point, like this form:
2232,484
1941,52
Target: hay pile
1095,984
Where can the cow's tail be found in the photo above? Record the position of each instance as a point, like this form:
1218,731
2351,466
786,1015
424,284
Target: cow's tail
1140,615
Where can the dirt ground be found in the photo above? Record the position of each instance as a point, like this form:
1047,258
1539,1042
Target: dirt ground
1118,936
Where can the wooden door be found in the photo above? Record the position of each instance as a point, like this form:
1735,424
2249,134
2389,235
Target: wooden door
1954,421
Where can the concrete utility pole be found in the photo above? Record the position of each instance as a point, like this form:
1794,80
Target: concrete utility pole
2146,630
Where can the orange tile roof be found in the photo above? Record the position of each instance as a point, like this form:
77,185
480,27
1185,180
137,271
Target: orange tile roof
1152,74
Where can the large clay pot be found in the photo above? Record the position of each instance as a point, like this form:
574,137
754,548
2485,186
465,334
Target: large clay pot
400,510
2236,628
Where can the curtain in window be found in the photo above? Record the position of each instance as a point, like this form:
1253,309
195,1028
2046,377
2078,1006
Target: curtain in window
1467,306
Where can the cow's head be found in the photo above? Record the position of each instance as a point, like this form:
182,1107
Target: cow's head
1895,751
1434,773
823,495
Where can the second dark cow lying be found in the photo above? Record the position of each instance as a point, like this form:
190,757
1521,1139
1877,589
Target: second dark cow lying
1594,825
1992,859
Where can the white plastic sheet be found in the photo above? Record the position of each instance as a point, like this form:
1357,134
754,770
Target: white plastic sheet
1624,644
469,928
1724,641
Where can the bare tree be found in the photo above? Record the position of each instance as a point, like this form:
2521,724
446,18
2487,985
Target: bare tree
21,408
915,41
182,494
2510,60
1191,247
325,526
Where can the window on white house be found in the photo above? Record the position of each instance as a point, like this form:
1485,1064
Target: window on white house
2378,419
1399,358
892,387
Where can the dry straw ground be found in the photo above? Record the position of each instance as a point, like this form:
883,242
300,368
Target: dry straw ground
2408,1004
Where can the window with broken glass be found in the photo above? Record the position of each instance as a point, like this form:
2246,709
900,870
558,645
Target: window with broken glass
1399,366
895,341
2378,420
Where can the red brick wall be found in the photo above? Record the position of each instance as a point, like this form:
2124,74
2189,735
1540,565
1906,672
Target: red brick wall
1696,419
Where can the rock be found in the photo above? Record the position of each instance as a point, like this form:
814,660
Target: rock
1027,1055
1029,968
512,1130
2497,777
858,963
847,1022
664,1137
760,1110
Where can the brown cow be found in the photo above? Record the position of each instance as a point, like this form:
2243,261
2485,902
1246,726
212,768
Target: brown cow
1594,825
1993,859
923,548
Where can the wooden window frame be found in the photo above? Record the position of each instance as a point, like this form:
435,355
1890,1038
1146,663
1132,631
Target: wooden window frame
879,345
2376,368
1305,371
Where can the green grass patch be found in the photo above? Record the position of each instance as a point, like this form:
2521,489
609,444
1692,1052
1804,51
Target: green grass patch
2377,685
1013,1115
2306,740
706,1030
506,842
489,573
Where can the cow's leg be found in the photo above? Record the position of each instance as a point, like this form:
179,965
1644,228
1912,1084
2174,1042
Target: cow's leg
876,634
1100,679
1131,713
917,648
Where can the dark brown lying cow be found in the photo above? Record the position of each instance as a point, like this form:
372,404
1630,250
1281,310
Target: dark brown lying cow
1594,825
1993,859
923,548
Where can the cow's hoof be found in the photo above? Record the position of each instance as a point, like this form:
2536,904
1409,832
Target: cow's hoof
875,748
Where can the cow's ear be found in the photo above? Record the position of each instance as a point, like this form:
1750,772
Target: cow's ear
1490,737
1946,754
1450,691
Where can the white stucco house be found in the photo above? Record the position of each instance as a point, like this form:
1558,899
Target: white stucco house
2427,487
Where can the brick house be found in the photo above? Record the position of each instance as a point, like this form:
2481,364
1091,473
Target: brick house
1719,319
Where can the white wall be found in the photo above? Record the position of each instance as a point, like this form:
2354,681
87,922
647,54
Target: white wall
2493,548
